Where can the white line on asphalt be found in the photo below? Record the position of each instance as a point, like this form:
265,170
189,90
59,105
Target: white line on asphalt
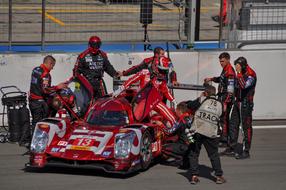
270,127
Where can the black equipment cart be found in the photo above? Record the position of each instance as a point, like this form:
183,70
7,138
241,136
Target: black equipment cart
17,128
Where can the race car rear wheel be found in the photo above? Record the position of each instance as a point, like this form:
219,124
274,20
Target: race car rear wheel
146,150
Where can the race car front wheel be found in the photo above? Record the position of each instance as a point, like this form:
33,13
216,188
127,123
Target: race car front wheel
146,150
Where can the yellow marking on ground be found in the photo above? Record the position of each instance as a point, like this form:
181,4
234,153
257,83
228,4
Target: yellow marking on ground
110,9
55,19
61,23
58,21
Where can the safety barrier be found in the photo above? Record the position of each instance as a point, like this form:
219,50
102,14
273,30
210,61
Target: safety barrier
192,68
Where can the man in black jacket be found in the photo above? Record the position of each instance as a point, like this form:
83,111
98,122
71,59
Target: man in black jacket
41,89
92,63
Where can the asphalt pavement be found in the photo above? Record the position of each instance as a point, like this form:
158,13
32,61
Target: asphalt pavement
265,170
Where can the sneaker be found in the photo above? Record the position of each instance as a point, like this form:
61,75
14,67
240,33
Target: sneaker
244,155
227,152
170,159
220,180
195,180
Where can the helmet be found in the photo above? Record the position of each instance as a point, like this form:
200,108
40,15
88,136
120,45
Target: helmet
242,62
161,69
94,42
67,96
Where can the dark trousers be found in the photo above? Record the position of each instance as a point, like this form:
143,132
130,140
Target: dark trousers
227,105
211,146
39,110
99,88
176,150
241,113
234,125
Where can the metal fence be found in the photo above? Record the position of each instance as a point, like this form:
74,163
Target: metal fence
256,21
49,21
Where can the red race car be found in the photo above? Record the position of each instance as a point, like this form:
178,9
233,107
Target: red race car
106,137
111,133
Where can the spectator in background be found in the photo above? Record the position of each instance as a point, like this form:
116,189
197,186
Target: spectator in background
222,15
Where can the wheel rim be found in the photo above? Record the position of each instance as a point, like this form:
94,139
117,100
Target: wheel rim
146,149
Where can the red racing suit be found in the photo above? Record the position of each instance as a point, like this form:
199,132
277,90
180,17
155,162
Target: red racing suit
243,108
179,148
226,82
92,65
161,86
149,62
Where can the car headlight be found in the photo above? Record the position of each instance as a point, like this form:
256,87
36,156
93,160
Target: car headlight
40,141
123,143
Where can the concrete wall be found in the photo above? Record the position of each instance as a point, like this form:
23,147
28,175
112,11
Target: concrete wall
191,67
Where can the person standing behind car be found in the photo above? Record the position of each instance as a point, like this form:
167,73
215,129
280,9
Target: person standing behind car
41,89
247,79
92,63
225,93
205,125
152,63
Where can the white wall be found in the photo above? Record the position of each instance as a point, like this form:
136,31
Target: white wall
191,67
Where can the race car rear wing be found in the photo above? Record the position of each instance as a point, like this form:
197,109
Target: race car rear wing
181,86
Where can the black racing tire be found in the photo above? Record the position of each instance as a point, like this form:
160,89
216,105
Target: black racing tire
3,138
146,150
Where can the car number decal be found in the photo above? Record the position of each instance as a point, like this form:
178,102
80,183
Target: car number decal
83,142
95,142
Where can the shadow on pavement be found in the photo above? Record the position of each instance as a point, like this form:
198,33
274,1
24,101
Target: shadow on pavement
80,171
205,172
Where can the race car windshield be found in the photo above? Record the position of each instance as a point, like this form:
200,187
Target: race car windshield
107,117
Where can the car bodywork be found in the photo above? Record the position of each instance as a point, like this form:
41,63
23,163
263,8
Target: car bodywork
106,137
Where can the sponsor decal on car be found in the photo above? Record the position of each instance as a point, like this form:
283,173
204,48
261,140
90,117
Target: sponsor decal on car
62,143
135,162
73,147
123,130
154,147
106,153
95,143
55,149
83,142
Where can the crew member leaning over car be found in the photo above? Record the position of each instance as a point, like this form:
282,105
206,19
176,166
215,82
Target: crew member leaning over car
151,63
157,80
41,90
